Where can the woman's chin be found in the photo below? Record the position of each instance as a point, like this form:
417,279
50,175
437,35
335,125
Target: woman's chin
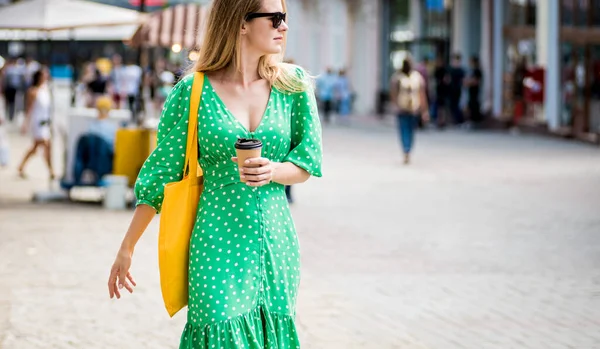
275,50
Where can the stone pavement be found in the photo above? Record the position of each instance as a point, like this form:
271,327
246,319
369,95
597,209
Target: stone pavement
485,241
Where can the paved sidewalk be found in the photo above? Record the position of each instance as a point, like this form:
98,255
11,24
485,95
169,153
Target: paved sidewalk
486,241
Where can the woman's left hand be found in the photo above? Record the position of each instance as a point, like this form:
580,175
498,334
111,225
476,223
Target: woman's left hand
257,171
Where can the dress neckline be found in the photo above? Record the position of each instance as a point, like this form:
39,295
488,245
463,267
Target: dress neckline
230,114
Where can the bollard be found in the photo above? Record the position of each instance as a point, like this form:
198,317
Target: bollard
115,192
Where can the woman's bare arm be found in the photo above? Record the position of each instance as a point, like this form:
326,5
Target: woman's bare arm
287,173
142,217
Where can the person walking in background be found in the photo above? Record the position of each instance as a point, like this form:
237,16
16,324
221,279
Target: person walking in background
407,92
423,69
518,88
167,80
88,73
457,76
325,92
132,78
116,80
441,80
38,119
13,79
343,94
474,83
4,143
155,83
244,257
31,66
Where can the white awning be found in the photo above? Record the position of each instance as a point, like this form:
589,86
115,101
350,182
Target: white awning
52,15
113,33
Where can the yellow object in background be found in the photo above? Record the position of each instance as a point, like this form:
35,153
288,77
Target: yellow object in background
132,147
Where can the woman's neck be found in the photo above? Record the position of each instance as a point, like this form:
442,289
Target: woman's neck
246,74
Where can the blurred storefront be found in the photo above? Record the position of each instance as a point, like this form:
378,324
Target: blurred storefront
540,59
551,65
421,28
428,29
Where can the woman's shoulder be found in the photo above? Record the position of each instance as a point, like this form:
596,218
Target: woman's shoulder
32,91
294,79
185,83
295,70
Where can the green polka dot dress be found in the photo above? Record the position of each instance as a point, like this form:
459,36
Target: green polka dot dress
244,268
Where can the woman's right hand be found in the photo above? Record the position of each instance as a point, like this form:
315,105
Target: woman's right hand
119,274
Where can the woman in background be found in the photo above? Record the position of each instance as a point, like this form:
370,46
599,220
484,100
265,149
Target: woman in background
37,119
409,98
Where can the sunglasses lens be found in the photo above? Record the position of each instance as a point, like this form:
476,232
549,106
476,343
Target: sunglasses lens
277,19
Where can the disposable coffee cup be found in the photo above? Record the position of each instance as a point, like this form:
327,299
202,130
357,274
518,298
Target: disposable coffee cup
247,148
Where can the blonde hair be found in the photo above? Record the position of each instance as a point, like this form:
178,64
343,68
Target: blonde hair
104,103
221,47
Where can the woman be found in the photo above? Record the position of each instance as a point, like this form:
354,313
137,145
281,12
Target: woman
37,119
409,98
244,255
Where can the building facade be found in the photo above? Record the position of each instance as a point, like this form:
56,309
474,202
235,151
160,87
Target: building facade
338,34
558,44
540,59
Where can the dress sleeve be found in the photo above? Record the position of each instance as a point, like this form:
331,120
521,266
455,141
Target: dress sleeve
165,164
306,150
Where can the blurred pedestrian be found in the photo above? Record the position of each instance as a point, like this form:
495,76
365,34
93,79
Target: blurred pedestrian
457,76
4,144
38,119
474,83
14,81
116,81
243,253
407,92
31,66
325,92
343,94
96,87
156,83
132,78
167,80
423,69
442,81
518,88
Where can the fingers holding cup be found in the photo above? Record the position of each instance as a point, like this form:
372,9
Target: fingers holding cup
246,150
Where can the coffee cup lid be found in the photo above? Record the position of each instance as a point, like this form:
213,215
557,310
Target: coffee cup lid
248,143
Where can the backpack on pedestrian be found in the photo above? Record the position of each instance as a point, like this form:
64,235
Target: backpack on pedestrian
409,89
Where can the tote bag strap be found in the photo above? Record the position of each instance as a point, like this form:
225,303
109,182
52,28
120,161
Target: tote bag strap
191,154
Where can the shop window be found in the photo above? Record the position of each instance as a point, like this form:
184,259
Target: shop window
578,13
521,12
595,9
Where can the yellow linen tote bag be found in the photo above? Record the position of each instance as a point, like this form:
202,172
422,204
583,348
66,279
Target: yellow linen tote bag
179,209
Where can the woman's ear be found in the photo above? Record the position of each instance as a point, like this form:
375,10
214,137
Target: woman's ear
244,29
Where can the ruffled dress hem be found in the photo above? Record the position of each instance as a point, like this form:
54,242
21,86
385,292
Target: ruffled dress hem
257,329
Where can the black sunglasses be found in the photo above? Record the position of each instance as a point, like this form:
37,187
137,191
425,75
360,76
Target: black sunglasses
275,17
